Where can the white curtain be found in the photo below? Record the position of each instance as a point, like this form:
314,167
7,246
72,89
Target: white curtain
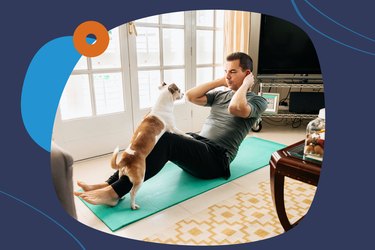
237,31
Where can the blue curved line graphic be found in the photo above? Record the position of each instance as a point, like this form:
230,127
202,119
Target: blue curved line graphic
325,35
339,24
46,215
44,83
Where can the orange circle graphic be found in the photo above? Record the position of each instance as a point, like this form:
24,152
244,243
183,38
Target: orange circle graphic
94,28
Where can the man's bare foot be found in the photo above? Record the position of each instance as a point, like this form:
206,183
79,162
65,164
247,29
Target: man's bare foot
102,196
87,187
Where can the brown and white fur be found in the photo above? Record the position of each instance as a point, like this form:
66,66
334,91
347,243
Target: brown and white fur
152,127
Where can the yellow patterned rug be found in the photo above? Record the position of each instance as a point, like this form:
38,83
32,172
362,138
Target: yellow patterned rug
245,217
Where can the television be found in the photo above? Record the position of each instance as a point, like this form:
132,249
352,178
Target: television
284,48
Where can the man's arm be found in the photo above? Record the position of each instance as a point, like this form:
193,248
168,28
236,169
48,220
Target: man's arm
197,95
238,106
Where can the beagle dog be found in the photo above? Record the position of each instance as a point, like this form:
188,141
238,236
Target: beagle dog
152,127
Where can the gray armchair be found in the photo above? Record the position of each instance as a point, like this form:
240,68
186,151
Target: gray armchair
62,172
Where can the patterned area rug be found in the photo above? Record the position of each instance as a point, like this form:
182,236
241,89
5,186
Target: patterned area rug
245,217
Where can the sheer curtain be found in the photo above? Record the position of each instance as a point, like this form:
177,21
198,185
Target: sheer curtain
237,31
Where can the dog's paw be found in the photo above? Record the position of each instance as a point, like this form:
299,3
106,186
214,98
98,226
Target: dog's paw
135,206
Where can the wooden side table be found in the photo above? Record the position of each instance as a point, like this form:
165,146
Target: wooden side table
285,163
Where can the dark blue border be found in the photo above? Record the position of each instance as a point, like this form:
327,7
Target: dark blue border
342,213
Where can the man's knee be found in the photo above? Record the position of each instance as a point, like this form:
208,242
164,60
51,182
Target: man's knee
170,138
166,138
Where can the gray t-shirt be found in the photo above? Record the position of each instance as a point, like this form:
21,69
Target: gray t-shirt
224,129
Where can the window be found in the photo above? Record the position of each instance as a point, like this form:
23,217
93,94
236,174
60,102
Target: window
95,86
161,52
209,45
76,99
108,93
160,46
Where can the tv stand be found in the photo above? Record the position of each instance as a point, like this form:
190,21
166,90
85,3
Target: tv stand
287,82
283,78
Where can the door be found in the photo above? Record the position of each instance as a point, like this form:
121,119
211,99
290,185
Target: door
161,53
208,47
106,97
95,110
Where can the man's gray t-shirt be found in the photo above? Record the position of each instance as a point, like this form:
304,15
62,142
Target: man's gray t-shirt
224,129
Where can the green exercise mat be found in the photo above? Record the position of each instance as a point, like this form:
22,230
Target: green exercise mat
172,185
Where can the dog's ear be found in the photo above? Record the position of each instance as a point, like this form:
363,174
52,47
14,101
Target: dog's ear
173,88
162,85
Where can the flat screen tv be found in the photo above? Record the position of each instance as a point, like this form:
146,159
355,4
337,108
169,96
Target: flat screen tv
284,48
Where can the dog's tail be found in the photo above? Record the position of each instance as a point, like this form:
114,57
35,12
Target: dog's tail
114,164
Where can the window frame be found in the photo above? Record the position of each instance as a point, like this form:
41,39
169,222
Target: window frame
186,66
90,71
215,29
128,61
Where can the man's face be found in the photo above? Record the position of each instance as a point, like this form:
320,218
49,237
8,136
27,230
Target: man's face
234,75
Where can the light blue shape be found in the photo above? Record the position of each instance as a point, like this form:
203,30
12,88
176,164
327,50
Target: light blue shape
44,83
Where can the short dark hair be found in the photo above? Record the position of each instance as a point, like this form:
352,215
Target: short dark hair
245,60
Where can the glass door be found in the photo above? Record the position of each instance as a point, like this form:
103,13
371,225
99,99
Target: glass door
106,97
95,110
208,57
160,53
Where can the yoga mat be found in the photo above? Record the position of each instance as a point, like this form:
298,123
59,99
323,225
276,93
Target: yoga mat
172,185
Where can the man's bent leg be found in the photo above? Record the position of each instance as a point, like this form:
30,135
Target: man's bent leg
192,155
155,161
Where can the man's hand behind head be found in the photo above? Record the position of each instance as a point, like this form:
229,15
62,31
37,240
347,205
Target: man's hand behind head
249,81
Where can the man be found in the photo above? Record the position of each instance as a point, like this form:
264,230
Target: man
207,155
